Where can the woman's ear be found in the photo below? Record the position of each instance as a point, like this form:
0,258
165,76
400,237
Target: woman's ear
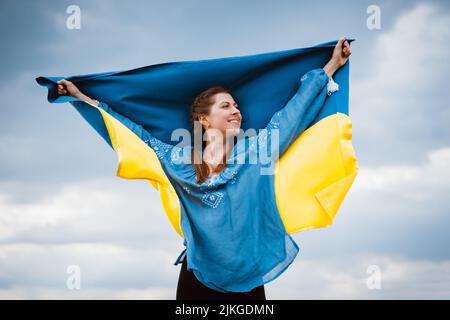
204,121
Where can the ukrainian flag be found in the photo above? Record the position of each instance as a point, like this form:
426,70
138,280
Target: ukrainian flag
311,178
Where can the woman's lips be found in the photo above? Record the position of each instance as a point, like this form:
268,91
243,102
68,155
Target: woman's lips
234,120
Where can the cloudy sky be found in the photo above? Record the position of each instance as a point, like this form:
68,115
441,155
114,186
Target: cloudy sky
61,204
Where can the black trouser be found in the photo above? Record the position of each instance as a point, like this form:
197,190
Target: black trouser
190,288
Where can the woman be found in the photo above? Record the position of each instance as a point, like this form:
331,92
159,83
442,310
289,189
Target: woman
236,263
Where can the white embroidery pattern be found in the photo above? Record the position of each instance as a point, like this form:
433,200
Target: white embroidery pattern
212,199
187,190
252,146
211,180
262,138
175,155
274,123
233,176
158,146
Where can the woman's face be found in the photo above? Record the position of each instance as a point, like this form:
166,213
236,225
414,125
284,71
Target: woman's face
224,115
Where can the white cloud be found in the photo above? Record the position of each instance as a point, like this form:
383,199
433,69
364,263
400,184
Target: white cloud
112,209
414,53
400,105
114,229
341,278
420,182
108,265
408,60
346,277
48,293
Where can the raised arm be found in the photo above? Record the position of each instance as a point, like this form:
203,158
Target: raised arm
161,148
298,114
341,53
289,122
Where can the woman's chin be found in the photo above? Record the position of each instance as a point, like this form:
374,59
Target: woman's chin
233,131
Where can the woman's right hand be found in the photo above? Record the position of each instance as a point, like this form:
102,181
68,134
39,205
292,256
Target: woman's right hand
67,88
340,55
341,52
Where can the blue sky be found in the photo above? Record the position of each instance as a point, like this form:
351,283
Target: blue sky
61,203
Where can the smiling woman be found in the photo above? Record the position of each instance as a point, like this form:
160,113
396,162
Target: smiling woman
219,121
236,224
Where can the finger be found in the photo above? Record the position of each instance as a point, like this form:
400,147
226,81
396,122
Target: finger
340,42
347,45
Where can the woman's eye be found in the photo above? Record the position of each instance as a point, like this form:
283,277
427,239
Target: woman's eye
227,105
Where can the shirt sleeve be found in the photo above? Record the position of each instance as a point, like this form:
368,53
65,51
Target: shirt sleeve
290,121
161,148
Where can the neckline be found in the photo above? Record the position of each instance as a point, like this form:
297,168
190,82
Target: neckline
215,176
226,174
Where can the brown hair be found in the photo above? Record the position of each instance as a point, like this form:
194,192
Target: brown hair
202,105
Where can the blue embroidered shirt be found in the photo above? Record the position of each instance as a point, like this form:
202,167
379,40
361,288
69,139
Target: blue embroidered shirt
234,237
